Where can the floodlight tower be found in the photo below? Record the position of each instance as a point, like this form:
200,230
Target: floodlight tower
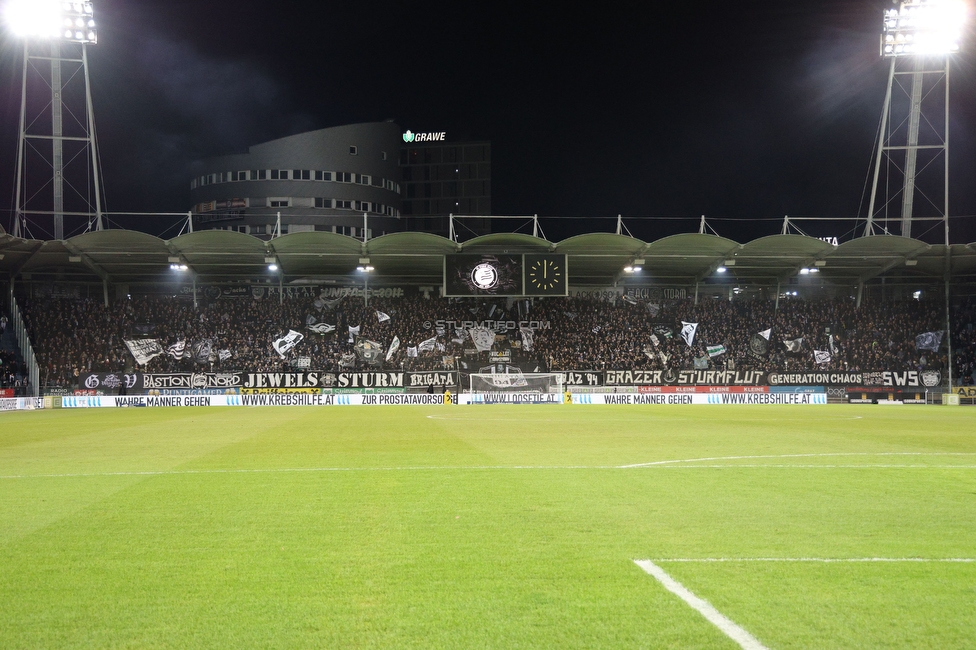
919,38
57,160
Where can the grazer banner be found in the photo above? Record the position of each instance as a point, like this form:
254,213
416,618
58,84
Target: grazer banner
297,380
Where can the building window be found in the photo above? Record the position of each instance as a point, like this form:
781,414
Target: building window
363,179
343,177
279,203
323,176
353,151
323,203
301,175
344,205
383,155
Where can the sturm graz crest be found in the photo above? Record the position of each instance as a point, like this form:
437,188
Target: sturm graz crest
758,346
484,276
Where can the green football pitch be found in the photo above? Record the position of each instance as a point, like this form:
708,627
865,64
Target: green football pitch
489,527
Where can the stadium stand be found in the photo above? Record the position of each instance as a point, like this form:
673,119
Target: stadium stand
72,337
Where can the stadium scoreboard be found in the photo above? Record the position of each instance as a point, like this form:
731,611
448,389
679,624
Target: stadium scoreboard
505,275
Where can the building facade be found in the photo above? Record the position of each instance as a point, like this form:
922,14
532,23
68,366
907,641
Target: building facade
324,180
357,179
441,178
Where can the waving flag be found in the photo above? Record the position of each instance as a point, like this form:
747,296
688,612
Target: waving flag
394,346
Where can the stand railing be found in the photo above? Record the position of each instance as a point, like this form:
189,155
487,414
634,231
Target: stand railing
26,351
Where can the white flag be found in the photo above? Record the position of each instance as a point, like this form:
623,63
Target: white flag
321,328
794,345
382,317
353,332
653,308
287,342
655,340
224,355
821,356
929,341
715,350
482,337
688,332
394,346
143,350
766,333
428,345
830,343
411,352
177,350
528,336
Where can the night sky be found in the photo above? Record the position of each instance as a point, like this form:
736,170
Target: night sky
641,109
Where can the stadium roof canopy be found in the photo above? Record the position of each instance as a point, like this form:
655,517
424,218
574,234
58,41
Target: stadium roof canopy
413,258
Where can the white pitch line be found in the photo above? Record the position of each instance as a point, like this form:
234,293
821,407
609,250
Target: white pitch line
703,607
817,455
476,468
820,560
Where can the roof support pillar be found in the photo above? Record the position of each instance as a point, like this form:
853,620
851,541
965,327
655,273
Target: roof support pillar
860,294
193,277
696,292
948,275
105,291
776,308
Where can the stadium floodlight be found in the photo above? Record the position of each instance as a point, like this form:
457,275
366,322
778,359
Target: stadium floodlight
73,22
53,32
721,269
924,28
364,269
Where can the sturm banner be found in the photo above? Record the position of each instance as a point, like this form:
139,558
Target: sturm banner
297,380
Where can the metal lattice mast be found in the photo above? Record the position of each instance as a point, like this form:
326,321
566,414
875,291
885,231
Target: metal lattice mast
57,172
909,184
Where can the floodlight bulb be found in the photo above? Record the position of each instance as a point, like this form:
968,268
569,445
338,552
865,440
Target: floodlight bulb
721,269
628,269
272,267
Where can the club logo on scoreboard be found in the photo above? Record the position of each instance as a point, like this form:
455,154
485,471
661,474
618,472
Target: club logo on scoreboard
484,276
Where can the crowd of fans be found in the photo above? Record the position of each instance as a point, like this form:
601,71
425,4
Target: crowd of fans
964,342
72,337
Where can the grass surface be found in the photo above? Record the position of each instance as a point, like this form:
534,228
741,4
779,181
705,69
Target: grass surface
492,527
